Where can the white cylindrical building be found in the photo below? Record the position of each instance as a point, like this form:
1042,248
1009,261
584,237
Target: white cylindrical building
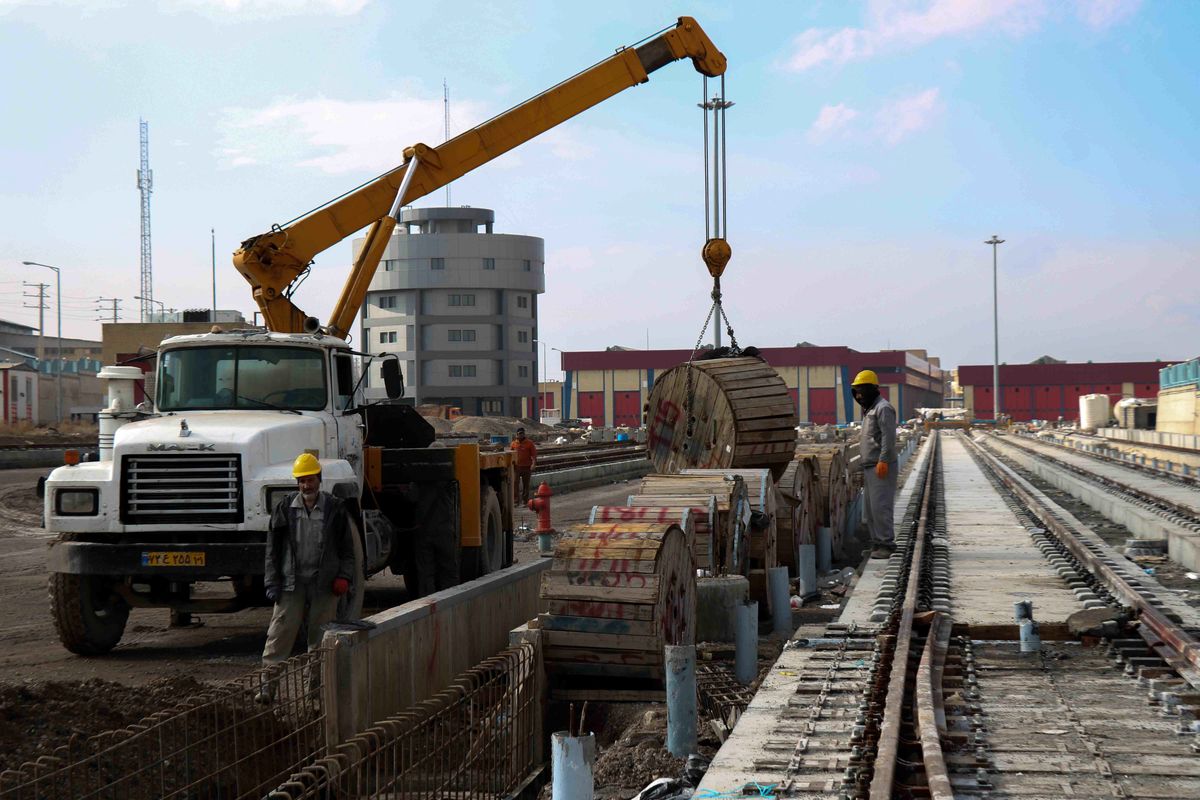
458,304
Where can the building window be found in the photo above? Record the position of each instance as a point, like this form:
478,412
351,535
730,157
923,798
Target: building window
527,265
462,299
523,337
383,337
490,406
437,263
489,263
391,337
461,335
522,372
454,336
387,301
522,301
462,370
468,335
391,264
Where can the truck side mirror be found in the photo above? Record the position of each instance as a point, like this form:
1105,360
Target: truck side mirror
393,381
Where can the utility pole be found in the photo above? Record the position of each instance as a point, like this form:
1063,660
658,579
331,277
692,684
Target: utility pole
995,242
116,312
59,360
145,185
213,232
446,125
41,307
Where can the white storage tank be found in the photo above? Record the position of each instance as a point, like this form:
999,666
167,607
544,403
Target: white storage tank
1094,411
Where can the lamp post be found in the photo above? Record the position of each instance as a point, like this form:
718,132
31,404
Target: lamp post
58,371
542,342
162,309
995,242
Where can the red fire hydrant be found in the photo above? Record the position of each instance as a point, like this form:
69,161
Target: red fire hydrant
545,531
541,504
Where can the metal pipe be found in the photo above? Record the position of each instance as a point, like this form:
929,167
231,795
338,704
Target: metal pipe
681,700
1022,610
781,600
571,760
824,549
806,569
745,635
1031,642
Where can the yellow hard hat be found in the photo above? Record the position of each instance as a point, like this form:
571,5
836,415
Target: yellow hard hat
866,376
305,464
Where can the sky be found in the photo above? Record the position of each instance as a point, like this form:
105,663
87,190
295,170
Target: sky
873,147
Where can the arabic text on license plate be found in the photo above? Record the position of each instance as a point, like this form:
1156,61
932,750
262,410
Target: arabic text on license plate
172,559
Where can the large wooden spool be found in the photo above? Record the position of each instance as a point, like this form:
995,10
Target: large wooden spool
729,526
764,522
834,478
744,417
801,506
616,594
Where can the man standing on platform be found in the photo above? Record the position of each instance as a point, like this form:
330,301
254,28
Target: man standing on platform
526,452
877,451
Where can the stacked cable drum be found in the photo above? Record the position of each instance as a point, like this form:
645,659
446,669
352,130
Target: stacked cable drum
616,595
800,507
729,524
698,518
742,416
762,553
834,490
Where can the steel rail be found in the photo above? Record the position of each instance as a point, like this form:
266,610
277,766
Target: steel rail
888,747
1163,628
929,714
1108,483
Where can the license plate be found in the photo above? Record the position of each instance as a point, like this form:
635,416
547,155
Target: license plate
173,559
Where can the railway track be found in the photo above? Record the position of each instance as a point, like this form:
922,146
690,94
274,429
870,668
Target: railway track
927,703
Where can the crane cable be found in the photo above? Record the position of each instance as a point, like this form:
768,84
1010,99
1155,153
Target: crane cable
716,251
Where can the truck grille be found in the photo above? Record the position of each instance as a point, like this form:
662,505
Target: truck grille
181,488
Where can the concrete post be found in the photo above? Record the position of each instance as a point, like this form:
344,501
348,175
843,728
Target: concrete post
1031,642
746,644
1022,610
824,549
571,759
806,568
681,701
781,599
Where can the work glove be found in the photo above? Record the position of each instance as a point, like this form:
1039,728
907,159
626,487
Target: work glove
272,594
340,586
881,470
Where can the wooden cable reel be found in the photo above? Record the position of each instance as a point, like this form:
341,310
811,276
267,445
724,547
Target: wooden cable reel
616,594
731,530
801,496
834,491
744,417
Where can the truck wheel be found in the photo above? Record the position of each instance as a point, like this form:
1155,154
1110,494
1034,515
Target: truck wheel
475,562
89,617
350,605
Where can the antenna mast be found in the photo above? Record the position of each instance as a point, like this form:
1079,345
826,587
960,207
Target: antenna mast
145,184
446,125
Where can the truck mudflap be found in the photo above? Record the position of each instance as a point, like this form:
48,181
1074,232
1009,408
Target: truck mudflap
186,562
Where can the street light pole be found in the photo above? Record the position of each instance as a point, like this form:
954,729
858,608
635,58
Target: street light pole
545,356
995,242
58,372
162,308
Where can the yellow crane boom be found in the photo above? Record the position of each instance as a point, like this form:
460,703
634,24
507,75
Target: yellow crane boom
271,262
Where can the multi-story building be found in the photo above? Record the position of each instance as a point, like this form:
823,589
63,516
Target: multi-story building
458,304
1050,389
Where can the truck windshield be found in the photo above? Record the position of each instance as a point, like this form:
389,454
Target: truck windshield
244,377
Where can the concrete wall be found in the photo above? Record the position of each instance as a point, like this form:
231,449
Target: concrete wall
82,396
416,649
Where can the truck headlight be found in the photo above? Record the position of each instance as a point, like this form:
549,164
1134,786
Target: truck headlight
277,493
76,502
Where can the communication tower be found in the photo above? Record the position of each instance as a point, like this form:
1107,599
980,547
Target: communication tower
145,184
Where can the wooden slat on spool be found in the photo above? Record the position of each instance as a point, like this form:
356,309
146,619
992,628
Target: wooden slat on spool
731,534
616,595
744,417
763,555
701,510
834,478
801,501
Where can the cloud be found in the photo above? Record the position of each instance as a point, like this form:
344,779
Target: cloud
1101,14
900,24
899,118
333,136
830,120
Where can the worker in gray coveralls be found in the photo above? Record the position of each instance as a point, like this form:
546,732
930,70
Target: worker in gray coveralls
309,564
877,451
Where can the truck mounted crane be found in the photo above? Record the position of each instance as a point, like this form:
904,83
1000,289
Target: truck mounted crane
184,489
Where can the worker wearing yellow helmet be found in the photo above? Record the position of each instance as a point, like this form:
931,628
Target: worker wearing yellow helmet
877,453
309,564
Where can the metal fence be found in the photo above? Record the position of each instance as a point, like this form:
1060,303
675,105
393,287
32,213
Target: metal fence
235,741
478,738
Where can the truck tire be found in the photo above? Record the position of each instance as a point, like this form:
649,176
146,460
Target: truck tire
88,616
489,556
350,605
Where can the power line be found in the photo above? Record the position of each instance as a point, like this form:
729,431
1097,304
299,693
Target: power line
116,311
